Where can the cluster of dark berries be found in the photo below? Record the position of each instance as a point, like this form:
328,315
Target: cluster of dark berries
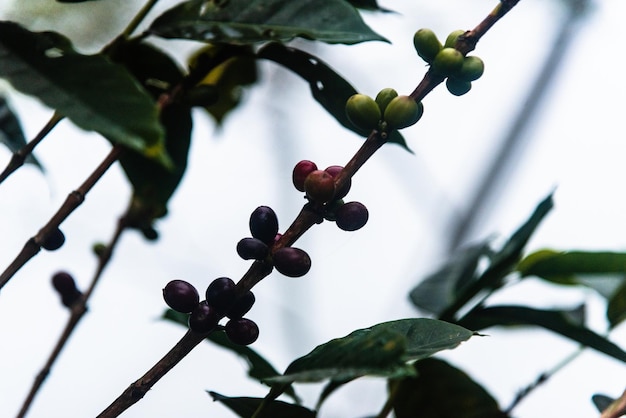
65,286
221,301
292,262
319,186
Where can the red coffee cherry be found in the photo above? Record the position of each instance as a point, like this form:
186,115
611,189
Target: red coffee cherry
181,296
292,262
301,171
203,318
334,171
220,293
242,331
241,306
252,249
264,224
319,186
54,240
351,216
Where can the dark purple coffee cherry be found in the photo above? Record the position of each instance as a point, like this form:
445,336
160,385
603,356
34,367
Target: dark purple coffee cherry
264,224
300,173
220,293
292,262
351,216
65,285
241,305
334,171
181,296
203,318
252,249
331,209
242,331
54,240
319,186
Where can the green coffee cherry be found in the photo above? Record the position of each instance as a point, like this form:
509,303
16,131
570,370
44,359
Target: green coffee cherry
426,44
384,97
447,62
457,86
451,39
363,111
403,111
472,68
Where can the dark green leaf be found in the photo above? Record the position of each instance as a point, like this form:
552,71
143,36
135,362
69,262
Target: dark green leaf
438,290
251,21
245,407
11,133
259,367
368,5
381,350
92,91
555,321
610,407
616,309
327,87
602,401
440,390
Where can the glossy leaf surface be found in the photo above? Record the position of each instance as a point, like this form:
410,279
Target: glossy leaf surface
251,21
245,407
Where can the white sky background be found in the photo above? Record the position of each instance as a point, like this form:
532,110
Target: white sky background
358,279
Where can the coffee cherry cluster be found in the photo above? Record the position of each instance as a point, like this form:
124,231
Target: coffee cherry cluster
387,112
319,186
446,61
63,282
221,301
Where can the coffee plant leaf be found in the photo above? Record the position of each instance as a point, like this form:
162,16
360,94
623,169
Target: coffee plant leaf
259,367
440,390
616,309
602,402
90,90
328,88
245,407
11,133
438,290
368,5
560,322
252,21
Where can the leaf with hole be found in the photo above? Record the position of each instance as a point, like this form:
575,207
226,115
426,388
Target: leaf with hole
252,21
93,92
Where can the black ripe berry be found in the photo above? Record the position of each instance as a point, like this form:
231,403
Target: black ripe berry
264,224
65,285
252,249
301,171
241,306
220,293
292,262
242,331
54,240
334,171
351,216
181,296
203,318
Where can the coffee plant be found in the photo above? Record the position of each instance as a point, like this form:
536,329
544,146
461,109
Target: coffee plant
145,98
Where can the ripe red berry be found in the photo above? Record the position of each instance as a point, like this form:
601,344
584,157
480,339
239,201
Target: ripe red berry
54,240
181,296
203,318
292,262
301,171
241,306
252,249
242,331
319,186
351,216
264,224
334,171
220,293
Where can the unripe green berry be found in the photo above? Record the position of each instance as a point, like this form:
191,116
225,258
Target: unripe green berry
458,87
363,111
403,111
426,44
447,62
472,69
384,97
451,39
